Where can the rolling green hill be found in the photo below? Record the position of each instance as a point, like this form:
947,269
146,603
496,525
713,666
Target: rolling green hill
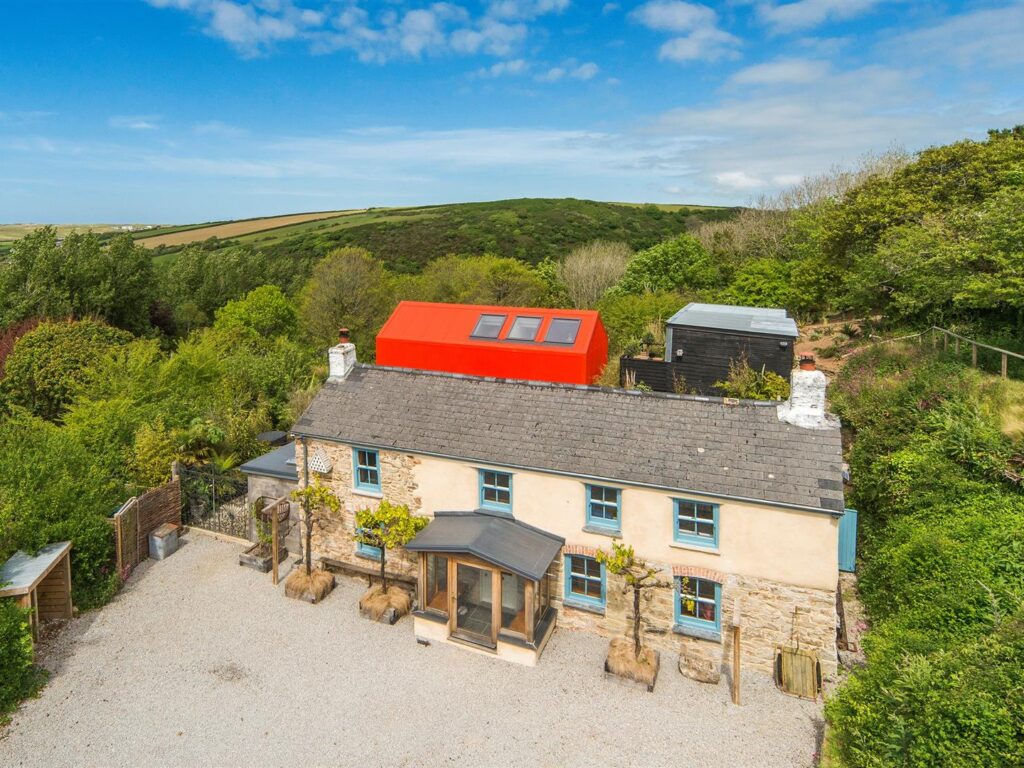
528,229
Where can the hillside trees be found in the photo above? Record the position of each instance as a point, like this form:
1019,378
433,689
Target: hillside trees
348,288
590,270
78,278
482,279
47,363
673,265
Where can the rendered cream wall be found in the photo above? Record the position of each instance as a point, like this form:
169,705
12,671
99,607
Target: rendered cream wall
788,546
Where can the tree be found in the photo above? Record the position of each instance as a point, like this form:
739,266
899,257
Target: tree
638,576
48,363
590,270
483,279
386,527
264,310
348,288
677,264
314,499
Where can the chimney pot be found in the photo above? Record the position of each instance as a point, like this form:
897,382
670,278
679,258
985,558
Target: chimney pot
343,335
807,363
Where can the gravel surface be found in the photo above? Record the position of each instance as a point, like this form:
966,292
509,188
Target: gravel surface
200,662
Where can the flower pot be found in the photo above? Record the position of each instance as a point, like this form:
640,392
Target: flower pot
254,558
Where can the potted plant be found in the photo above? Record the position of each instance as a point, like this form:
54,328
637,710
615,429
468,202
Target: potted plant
260,555
386,527
627,657
306,583
649,343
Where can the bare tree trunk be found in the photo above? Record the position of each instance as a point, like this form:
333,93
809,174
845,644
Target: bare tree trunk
383,577
636,621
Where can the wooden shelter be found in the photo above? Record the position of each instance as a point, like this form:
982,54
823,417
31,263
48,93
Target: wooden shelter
42,583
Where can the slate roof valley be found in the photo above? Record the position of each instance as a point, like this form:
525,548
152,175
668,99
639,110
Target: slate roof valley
675,442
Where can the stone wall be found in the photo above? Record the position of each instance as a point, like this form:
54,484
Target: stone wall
772,614
334,537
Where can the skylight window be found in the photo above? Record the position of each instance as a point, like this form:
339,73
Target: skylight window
488,326
562,330
524,329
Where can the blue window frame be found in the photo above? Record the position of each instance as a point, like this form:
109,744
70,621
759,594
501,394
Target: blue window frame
696,523
365,549
603,507
496,490
585,583
698,605
366,469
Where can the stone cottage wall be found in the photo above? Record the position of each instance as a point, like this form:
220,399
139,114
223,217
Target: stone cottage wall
772,614
334,538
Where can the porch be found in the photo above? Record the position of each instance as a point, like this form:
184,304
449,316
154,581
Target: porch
483,584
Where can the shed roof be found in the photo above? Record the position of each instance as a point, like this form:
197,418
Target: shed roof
23,572
675,442
727,317
279,463
495,537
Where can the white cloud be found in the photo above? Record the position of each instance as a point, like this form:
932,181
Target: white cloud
525,9
571,69
503,68
805,14
698,35
674,15
218,128
609,8
134,122
992,36
781,72
738,181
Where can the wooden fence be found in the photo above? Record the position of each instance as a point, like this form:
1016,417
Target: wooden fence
140,516
954,340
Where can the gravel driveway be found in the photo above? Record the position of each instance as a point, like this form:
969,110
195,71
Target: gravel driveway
199,662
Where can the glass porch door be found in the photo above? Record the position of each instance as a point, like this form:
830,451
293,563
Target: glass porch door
474,614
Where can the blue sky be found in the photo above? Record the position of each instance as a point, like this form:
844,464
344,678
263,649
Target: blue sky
195,110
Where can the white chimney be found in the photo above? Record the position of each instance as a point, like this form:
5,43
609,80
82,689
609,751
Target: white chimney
341,358
806,404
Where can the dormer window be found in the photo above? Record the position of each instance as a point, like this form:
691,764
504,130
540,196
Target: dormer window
524,329
488,326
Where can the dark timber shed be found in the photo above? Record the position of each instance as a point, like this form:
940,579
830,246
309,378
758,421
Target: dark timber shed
702,339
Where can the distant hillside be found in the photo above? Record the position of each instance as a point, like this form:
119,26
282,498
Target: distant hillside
528,229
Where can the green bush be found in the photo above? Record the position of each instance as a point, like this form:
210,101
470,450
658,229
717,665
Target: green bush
20,678
943,568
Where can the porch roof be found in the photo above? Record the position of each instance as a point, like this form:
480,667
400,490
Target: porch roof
495,537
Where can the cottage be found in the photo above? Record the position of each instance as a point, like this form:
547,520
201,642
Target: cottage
737,504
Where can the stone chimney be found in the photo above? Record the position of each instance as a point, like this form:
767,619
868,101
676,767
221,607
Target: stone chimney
806,404
341,358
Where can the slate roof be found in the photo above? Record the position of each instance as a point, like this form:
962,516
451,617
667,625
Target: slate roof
495,537
728,317
675,442
279,463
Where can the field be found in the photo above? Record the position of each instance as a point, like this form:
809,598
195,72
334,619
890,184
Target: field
11,232
174,236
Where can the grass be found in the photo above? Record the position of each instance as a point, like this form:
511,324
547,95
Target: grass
314,587
231,229
375,603
623,662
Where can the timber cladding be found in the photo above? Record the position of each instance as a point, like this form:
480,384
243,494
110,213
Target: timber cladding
139,517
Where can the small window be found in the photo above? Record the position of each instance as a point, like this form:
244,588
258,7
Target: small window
562,330
696,522
367,469
437,584
584,581
365,550
524,329
488,326
698,603
603,507
496,490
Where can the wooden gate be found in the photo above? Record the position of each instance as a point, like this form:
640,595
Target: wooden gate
140,516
